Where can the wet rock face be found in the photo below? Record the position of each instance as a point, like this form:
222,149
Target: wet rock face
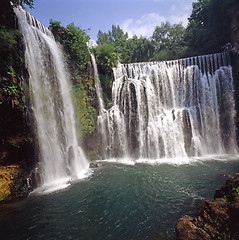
218,219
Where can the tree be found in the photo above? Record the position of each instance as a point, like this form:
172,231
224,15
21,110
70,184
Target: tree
106,58
75,44
160,35
168,41
208,29
112,36
138,50
103,38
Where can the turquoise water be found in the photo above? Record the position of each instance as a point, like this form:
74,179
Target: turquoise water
117,202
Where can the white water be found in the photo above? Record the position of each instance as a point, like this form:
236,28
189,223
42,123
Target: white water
172,110
100,121
61,157
97,85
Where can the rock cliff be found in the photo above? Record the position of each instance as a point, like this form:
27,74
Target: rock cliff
218,219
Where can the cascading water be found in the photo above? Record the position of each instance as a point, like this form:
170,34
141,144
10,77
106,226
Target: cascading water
97,85
100,122
173,109
61,157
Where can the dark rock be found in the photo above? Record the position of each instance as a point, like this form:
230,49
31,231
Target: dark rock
186,229
94,165
217,219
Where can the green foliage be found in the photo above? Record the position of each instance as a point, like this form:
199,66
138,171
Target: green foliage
208,29
138,50
168,41
8,47
85,113
11,91
112,47
106,57
55,24
112,36
75,44
234,185
74,41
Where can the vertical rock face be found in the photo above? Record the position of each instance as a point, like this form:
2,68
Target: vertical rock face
234,13
218,219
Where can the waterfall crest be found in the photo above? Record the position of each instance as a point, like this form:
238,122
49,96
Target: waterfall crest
61,157
172,109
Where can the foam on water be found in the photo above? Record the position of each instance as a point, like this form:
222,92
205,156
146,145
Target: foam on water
170,161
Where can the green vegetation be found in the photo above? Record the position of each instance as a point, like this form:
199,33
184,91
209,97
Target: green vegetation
167,42
11,71
207,32
208,29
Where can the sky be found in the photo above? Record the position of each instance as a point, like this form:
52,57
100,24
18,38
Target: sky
138,17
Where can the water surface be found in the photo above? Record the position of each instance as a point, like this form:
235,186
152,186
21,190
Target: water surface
118,202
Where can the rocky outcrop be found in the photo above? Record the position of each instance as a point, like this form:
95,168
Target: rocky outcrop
13,183
218,219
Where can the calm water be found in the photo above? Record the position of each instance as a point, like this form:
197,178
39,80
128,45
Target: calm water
117,202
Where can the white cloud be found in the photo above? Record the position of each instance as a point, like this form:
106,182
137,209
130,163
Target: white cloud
179,19
178,12
145,25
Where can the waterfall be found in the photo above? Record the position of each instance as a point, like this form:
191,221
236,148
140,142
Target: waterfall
97,85
172,109
61,157
101,119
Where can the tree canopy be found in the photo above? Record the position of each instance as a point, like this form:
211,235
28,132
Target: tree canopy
208,29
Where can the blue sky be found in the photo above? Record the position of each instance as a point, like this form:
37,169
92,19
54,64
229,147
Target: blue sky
138,17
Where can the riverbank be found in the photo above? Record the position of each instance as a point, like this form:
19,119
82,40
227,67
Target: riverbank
218,219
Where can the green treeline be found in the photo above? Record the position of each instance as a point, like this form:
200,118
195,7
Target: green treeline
208,31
